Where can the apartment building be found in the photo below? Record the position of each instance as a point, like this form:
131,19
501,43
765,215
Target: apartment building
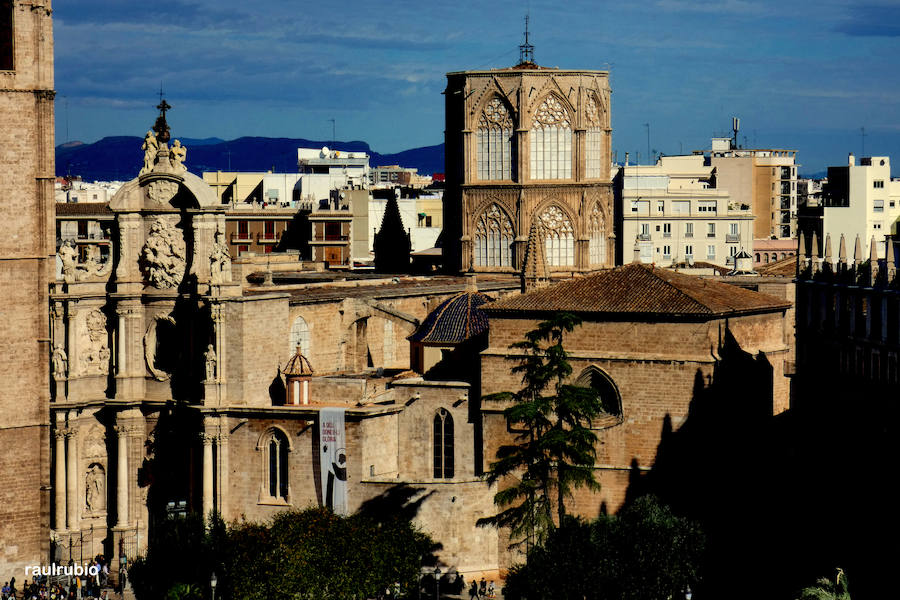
861,200
765,179
674,212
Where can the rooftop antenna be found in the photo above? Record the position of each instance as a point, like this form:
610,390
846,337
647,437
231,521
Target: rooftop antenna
735,127
862,134
526,50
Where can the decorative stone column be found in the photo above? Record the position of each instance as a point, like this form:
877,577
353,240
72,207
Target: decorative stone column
223,471
122,476
207,440
72,481
59,482
72,331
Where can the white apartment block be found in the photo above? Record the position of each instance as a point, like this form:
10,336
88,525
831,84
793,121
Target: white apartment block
323,170
861,200
675,214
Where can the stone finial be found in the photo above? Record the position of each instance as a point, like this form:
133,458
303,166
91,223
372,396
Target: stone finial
857,252
873,261
801,254
471,283
889,260
842,254
828,256
535,274
814,253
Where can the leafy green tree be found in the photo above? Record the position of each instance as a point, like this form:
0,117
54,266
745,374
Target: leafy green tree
554,452
826,589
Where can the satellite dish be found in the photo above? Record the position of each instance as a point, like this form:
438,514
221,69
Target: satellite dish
324,153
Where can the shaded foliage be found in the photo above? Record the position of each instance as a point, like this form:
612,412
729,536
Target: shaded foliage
826,589
311,554
643,553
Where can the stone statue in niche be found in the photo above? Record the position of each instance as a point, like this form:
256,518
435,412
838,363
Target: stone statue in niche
151,343
150,148
60,363
220,261
93,350
177,156
95,488
163,256
211,361
162,191
69,257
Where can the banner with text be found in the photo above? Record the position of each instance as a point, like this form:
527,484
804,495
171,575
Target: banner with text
333,459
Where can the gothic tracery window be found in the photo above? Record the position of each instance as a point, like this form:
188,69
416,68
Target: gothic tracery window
493,238
593,165
494,142
551,141
559,237
443,444
598,236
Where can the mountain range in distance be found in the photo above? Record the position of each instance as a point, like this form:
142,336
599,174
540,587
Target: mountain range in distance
119,158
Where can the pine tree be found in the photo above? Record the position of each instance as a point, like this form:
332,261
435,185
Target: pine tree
554,452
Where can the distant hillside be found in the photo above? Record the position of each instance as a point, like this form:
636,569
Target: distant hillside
120,157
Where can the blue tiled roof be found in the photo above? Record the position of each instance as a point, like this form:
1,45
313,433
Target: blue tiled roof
454,321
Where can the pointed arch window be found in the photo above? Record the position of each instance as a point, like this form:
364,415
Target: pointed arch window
610,398
551,141
494,142
443,444
598,236
559,237
593,164
493,238
299,337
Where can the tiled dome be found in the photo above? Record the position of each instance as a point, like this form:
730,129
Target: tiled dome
454,321
298,365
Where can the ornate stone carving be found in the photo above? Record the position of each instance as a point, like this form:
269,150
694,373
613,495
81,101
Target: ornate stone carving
60,363
555,221
95,488
69,258
161,191
220,261
177,156
150,148
163,256
92,267
94,444
211,361
150,347
495,116
93,349
593,112
551,113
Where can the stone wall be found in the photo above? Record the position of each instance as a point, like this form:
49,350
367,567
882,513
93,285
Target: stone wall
27,211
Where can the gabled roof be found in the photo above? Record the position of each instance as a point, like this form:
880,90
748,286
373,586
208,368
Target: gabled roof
641,290
785,267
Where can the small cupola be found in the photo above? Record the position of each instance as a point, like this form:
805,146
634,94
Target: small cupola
297,374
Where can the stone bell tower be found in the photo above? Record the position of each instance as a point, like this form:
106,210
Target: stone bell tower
27,212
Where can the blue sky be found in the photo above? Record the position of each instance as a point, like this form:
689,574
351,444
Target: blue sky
800,74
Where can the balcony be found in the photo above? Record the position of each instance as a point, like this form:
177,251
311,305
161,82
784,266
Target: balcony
644,237
268,237
732,238
331,240
242,238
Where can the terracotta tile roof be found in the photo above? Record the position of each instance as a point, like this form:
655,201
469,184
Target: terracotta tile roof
785,267
641,289
81,209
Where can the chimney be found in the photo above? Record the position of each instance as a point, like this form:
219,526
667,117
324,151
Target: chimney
851,160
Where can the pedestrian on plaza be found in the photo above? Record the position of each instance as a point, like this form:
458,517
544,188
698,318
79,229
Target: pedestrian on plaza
482,588
473,591
491,589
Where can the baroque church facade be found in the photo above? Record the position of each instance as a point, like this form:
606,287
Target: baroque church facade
528,144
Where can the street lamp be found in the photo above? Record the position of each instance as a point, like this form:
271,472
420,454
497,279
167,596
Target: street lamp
212,584
687,593
437,582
